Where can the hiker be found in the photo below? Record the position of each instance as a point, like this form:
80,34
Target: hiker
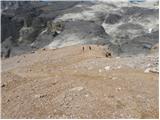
108,54
90,47
83,48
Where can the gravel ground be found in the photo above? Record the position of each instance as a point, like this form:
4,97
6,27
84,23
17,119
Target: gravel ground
78,84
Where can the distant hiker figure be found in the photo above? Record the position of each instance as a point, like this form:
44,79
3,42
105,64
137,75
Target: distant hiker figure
83,48
108,54
89,47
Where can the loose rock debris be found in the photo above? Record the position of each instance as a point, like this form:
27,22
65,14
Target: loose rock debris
99,59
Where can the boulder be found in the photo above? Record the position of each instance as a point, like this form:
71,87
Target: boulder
6,47
112,18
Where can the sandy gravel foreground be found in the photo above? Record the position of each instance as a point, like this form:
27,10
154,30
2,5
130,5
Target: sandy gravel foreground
78,84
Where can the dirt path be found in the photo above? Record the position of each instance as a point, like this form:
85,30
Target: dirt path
72,83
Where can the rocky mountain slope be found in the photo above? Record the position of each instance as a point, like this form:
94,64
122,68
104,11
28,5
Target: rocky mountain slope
79,60
125,28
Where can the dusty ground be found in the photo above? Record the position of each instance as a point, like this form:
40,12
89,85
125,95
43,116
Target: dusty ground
72,83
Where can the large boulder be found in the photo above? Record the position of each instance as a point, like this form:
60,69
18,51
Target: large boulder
6,47
112,18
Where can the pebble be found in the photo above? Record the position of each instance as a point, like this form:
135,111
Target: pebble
43,49
154,70
77,89
40,96
3,85
147,46
107,68
147,70
110,96
90,68
118,89
114,78
100,70
119,67
33,52
148,65
49,117
54,110
110,77
36,96
149,30
54,83
86,95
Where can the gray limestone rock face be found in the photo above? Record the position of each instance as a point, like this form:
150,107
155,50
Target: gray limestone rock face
124,29
80,32
112,18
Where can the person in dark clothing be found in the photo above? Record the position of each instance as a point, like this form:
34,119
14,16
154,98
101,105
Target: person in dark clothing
83,48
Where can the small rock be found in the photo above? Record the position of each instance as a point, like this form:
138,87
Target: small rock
147,46
77,106
90,68
54,83
44,49
100,70
33,52
40,96
149,30
117,57
36,96
107,68
154,70
54,110
3,85
119,67
77,89
49,117
110,96
114,78
118,89
110,77
32,45
86,95
148,65
147,70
